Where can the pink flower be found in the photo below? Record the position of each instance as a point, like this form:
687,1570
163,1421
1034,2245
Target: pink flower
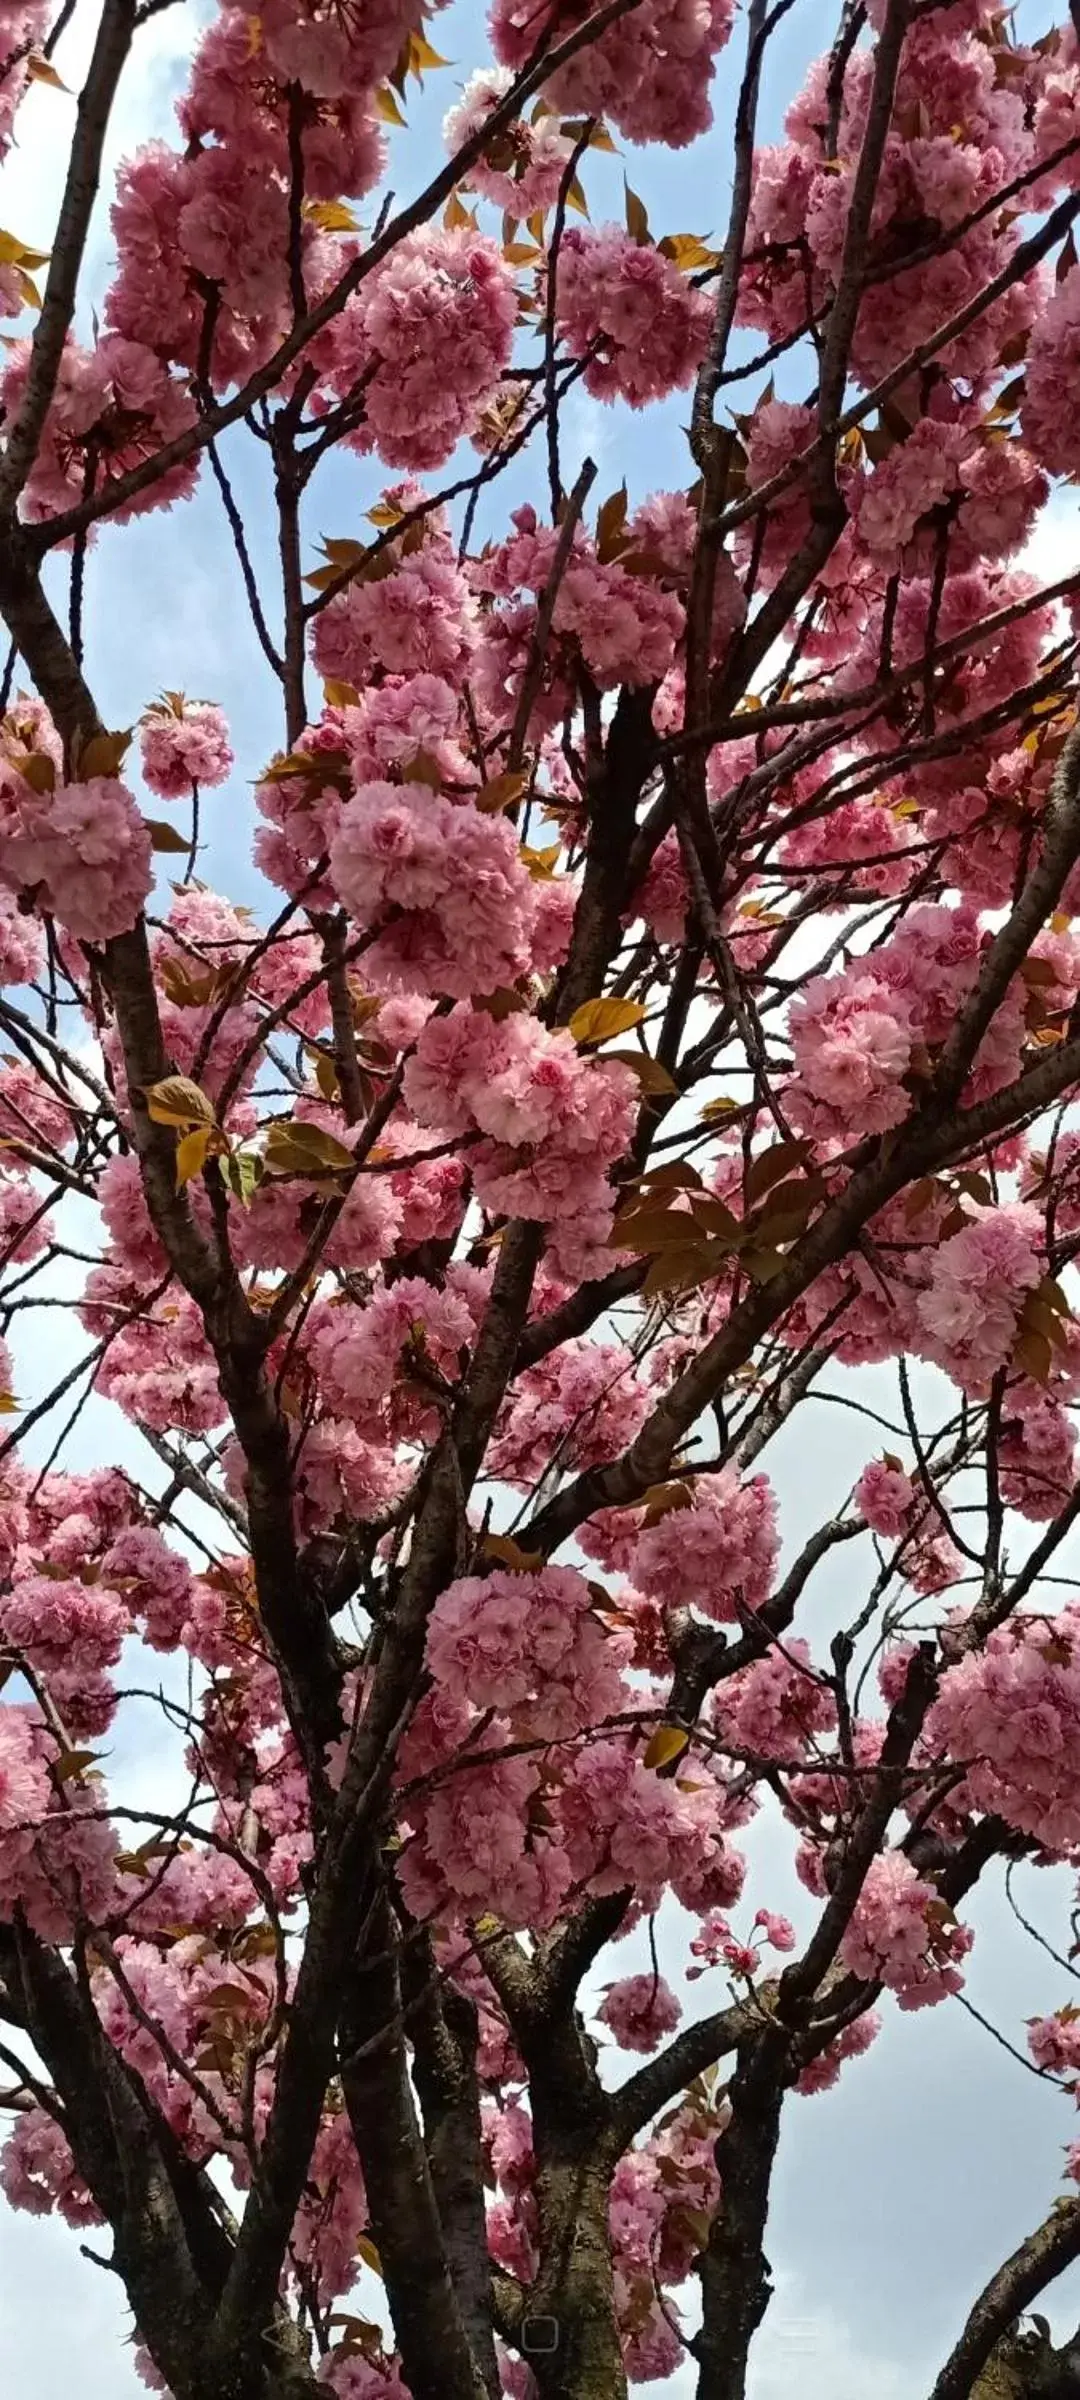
85,851
901,1935
883,1496
24,1787
184,745
639,2011
852,1040
717,1555
627,308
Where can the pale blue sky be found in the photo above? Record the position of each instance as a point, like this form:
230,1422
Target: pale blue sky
898,2193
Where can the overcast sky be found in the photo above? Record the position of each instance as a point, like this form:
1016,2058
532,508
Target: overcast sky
898,2193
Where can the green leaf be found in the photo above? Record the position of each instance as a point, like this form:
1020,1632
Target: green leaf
243,1172
294,1147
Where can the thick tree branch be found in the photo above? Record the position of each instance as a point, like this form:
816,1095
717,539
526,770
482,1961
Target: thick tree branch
1033,2266
113,42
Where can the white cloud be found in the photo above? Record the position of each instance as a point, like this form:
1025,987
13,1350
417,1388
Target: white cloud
63,2323
1053,550
34,170
805,2349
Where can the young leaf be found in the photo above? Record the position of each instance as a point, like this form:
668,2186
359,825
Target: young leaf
331,216
661,1498
41,70
653,1078
507,1553
103,754
293,1147
772,1166
455,215
39,772
180,1102
666,1745
599,1020
637,222
191,1154
243,1171
611,525
166,837
503,791
387,108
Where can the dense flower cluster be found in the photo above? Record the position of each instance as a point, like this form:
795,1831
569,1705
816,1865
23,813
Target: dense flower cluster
113,407
460,1229
901,1935
184,742
626,309
719,1554
552,1120
1010,1713
81,849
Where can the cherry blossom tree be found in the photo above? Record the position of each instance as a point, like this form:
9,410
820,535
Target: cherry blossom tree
664,1008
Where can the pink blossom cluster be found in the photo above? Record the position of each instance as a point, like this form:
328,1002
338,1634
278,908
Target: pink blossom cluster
1054,2043
518,1834
902,1935
38,2173
362,1355
1036,1454
56,1857
417,619
625,626
426,338
528,1646
113,407
352,2375
212,215
1053,353
238,94
82,850
988,491
718,1555
553,1121
25,24
968,1314
578,1408
715,1942
859,1034
181,743
884,1495
776,1707
851,1037
1010,1713
639,2011
958,134
523,167
821,2073
22,941
158,1365
460,896
628,311
650,71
